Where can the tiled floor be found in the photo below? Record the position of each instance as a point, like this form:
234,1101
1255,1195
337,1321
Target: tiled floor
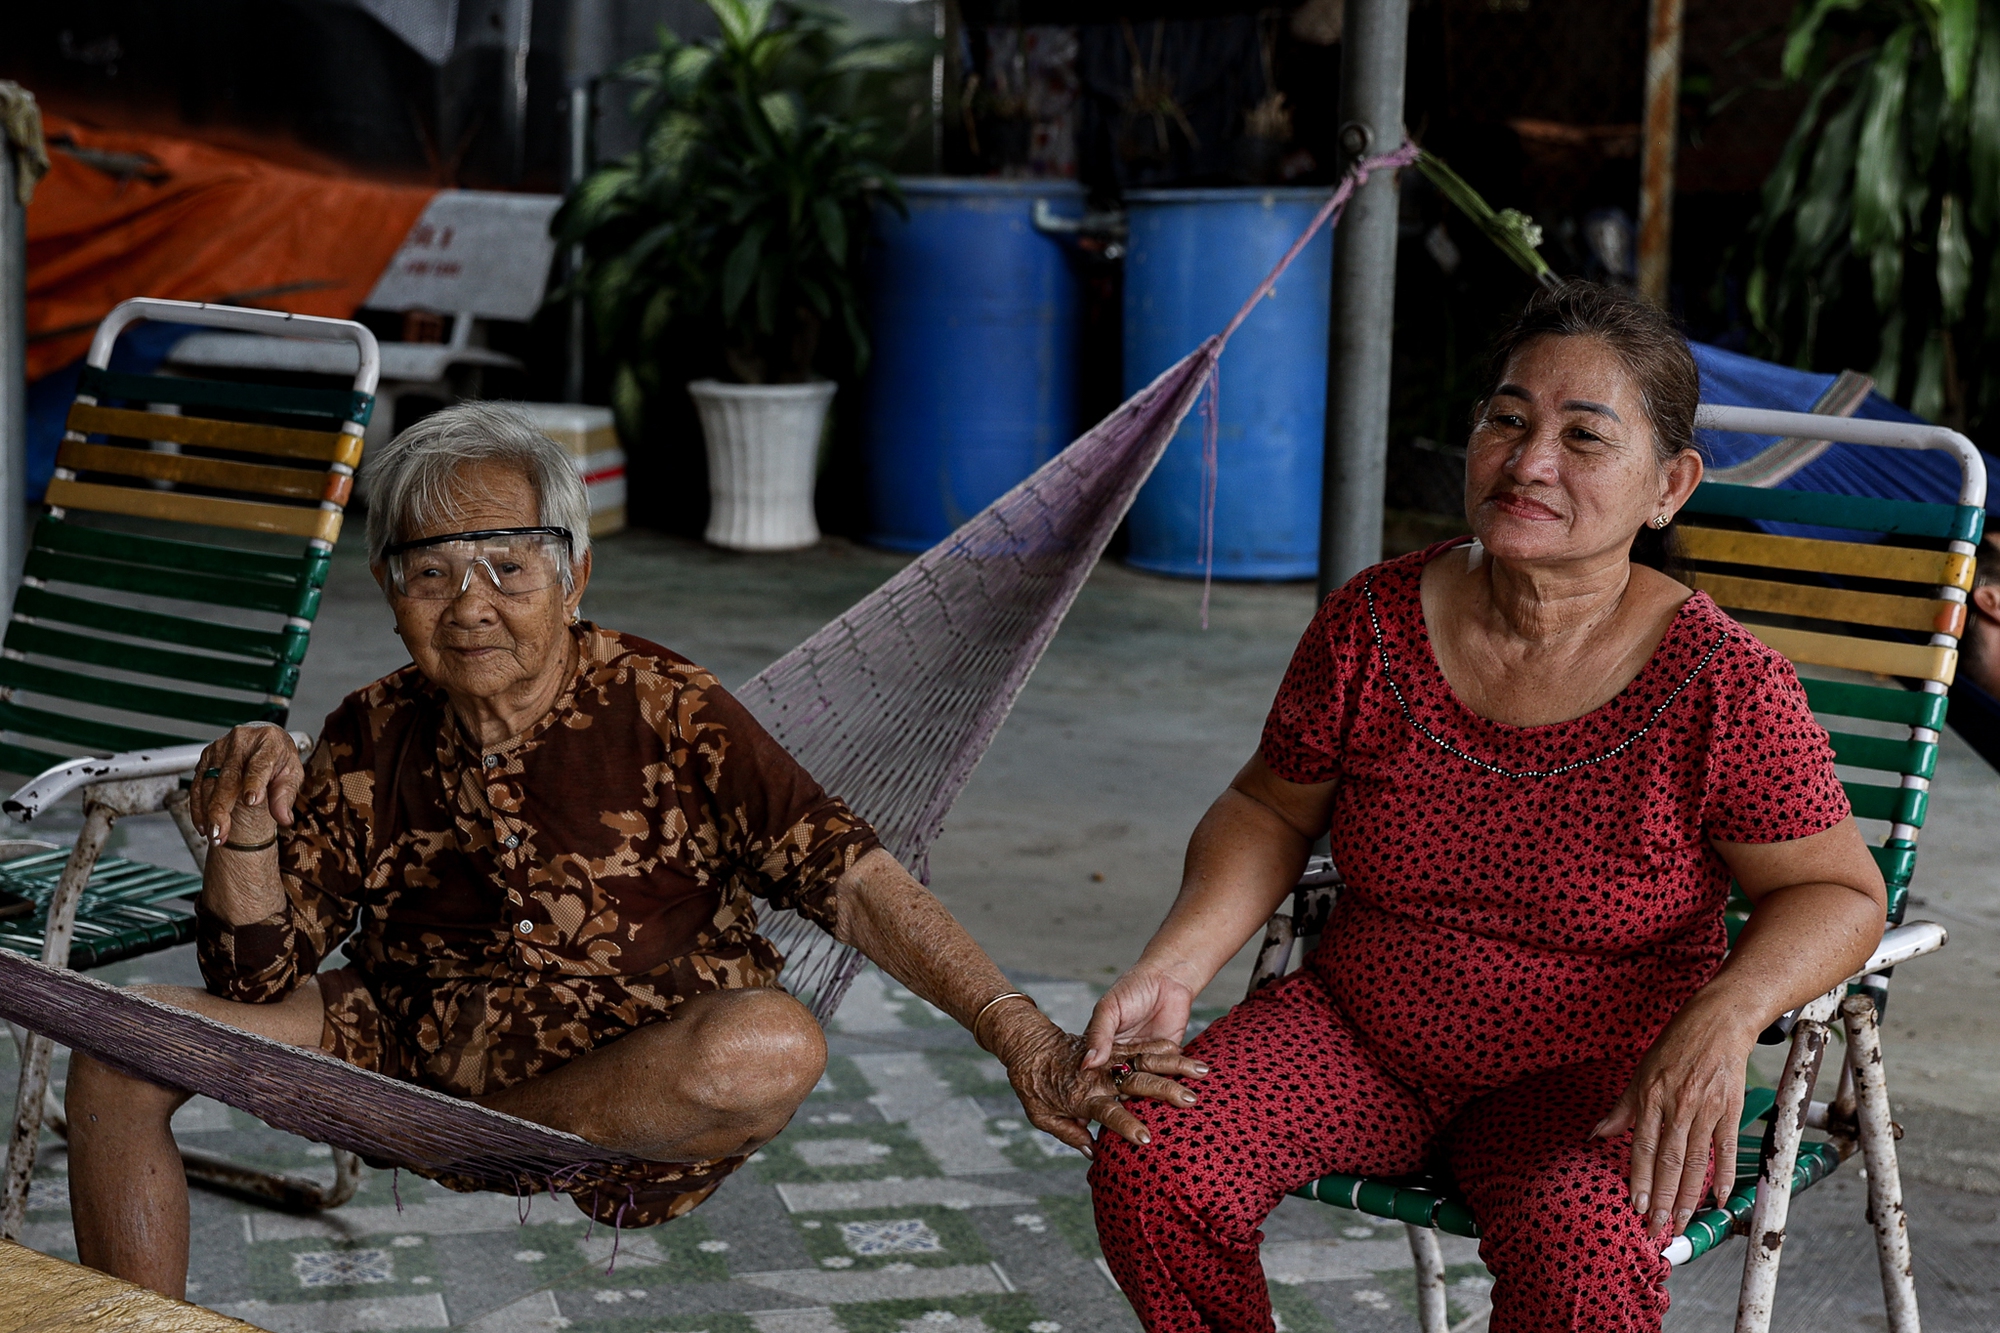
909,1196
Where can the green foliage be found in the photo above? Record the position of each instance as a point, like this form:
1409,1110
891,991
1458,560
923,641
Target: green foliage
1888,192
1515,233
742,219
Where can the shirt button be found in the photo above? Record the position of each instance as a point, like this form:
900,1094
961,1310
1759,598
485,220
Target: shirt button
511,841
492,761
527,927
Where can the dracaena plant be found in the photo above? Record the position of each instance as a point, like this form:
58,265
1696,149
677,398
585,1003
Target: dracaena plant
1887,198
740,222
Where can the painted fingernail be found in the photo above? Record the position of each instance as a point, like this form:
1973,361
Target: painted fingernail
1201,1069
1144,1137
1639,1202
1658,1219
1682,1218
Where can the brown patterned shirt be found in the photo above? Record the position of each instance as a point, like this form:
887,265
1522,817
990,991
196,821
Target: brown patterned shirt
511,908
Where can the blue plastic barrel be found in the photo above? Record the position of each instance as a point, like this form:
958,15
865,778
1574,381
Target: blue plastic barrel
1194,257
972,385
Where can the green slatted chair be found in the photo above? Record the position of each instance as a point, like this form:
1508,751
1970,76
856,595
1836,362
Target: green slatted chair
168,594
1872,622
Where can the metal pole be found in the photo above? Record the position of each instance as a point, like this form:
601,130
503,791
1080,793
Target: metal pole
589,52
1364,295
938,27
1656,164
581,100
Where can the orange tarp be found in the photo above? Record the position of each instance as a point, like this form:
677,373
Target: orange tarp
123,214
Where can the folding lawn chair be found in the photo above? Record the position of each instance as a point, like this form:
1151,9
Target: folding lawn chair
1873,623
187,538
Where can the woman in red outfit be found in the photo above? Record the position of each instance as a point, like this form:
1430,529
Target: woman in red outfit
1540,763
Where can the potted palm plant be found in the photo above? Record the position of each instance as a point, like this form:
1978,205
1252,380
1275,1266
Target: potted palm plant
740,223
1880,230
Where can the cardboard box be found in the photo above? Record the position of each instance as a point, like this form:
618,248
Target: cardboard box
591,438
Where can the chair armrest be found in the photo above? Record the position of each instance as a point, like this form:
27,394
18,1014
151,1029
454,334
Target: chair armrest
39,793
1900,944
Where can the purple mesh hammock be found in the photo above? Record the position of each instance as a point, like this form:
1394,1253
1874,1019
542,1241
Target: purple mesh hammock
891,706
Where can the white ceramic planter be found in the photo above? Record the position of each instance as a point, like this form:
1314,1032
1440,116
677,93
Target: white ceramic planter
763,458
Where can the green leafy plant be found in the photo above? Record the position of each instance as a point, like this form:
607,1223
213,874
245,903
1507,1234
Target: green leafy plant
742,219
1888,193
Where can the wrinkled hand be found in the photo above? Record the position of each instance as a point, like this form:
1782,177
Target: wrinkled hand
1062,1097
1682,1107
1142,1007
260,777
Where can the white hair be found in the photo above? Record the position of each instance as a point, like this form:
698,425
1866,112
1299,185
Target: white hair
409,481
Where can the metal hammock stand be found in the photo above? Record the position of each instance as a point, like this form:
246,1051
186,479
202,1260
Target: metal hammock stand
891,706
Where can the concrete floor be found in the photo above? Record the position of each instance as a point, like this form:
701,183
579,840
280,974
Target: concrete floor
1065,849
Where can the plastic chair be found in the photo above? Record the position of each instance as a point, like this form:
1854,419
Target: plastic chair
1873,623
169,593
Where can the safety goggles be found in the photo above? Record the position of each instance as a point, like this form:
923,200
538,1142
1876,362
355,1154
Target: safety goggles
517,561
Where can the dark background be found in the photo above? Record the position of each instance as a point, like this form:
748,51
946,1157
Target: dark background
1536,102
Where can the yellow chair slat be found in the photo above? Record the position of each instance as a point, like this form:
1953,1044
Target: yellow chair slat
1853,559
290,482
1929,615
172,506
1920,661
243,437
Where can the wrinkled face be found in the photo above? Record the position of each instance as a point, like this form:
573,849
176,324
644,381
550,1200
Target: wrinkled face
1561,464
484,643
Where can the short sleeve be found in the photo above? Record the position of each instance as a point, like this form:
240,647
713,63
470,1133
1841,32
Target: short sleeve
792,840
1302,734
319,862
1770,767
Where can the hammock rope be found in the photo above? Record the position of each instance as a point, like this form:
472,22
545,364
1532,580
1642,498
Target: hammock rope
891,706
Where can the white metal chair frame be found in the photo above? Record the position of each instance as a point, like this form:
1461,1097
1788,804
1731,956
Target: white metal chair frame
148,782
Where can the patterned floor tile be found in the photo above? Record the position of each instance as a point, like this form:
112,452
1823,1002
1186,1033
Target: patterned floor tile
364,1315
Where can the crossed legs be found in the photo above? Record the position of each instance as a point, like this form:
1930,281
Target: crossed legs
723,1076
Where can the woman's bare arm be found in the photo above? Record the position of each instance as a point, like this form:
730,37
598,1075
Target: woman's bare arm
901,927
258,777
1818,909
1244,857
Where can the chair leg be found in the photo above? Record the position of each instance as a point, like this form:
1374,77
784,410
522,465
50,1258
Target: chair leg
1878,1150
1429,1261
293,1193
1774,1183
38,1050
176,806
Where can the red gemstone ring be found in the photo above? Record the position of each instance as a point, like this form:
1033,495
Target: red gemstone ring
1120,1072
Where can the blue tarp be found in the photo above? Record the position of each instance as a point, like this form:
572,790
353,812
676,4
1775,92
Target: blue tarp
1730,379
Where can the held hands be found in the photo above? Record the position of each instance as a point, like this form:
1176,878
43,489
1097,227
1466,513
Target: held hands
1146,1005
1682,1107
1062,1096
256,774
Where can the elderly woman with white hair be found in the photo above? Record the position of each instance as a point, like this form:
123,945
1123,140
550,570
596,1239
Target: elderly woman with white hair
542,843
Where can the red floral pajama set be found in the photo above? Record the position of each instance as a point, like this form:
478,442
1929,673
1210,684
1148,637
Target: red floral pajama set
1525,909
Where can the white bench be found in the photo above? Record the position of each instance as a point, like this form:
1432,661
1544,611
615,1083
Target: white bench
473,255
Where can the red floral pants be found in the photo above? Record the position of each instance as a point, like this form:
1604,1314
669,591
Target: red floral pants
1293,1095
